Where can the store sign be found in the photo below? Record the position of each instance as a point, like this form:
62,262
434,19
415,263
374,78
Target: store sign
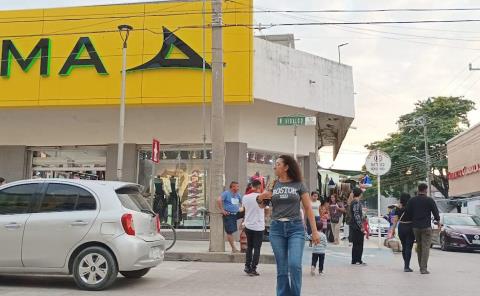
156,151
73,56
466,171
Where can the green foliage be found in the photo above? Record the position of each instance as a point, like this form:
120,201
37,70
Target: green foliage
445,118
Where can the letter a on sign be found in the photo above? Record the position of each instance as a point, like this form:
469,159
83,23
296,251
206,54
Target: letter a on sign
156,151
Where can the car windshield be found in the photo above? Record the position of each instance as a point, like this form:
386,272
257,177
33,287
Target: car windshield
132,199
462,220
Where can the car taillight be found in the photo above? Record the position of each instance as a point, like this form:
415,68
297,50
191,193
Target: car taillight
127,223
157,221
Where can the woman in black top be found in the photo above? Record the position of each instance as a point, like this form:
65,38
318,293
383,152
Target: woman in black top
405,230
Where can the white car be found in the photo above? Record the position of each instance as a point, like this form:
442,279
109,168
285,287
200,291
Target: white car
90,229
374,222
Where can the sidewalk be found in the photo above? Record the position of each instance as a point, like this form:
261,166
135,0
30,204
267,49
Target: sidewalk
199,251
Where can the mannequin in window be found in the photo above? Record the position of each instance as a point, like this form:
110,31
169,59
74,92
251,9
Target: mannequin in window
160,205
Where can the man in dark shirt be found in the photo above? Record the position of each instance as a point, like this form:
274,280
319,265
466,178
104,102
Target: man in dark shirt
420,210
356,226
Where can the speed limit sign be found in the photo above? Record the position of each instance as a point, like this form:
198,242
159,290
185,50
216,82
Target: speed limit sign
378,162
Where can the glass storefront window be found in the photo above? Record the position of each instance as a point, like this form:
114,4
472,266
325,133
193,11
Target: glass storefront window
178,182
260,166
69,163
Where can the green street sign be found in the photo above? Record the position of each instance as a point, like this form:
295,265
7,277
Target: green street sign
296,120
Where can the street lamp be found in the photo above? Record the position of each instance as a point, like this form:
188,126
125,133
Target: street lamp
339,57
124,34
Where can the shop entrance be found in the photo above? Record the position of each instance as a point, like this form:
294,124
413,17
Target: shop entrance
178,183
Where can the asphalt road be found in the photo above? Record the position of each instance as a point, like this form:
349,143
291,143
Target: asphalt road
453,273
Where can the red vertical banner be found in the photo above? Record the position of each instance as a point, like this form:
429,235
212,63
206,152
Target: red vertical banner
156,151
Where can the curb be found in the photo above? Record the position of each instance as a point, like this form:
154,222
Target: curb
214,257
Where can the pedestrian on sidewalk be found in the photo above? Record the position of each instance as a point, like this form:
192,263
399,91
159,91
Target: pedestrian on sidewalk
254,222
287,235
336,216
318,252
324,216
229,204
405,230
316,211
420,210
357,231
347,233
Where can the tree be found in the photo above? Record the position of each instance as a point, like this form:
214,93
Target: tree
445,118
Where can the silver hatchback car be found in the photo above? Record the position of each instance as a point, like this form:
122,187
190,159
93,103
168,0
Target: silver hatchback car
90,229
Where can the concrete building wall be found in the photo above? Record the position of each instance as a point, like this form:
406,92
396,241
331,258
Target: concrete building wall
236,164
13,162
130,158
171,125
287,76
464,151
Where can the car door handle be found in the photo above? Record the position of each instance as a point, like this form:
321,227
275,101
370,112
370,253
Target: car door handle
79,223
13,226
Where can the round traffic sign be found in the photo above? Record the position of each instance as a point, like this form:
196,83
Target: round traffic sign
378,162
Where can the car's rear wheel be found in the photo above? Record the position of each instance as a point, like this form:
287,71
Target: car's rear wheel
135,274
94,269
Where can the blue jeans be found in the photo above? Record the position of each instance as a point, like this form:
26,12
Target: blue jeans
288,241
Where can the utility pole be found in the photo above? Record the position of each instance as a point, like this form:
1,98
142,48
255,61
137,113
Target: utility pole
124,33
427,157
217,179
422,121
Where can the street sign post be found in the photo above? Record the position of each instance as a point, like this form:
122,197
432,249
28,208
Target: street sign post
295,121
378,163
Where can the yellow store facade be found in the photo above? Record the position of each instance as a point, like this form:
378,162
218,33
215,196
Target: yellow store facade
60,92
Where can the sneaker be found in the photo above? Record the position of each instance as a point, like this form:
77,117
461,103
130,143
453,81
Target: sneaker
407,269
312,271
320,273
247,270
254,273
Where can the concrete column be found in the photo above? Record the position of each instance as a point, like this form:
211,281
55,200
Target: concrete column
236,164
310,171
13,162
130,160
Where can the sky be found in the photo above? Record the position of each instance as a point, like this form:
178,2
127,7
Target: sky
394,66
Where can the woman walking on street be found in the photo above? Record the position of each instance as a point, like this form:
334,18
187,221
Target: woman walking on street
287,235
336,214
405,230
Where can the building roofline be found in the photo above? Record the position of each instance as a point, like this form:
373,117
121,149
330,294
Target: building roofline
464,132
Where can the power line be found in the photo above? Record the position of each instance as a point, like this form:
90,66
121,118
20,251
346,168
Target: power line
372,10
